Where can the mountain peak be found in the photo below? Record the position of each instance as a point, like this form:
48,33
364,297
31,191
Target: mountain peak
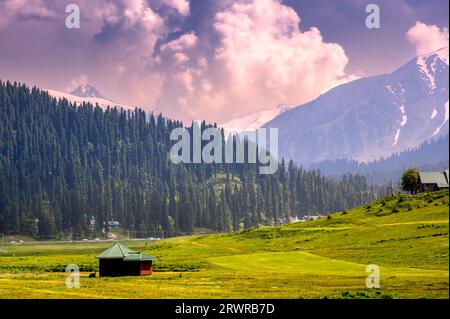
87,91
88,94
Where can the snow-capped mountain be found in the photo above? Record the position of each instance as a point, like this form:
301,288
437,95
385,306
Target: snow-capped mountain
371,117
87,91
253,121
87,94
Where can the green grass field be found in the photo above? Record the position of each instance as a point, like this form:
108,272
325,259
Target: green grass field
406,236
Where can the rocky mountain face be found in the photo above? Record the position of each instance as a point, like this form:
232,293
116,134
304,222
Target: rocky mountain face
86,94
87,91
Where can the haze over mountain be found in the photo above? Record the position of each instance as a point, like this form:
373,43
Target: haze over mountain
429,156
371,117
254,120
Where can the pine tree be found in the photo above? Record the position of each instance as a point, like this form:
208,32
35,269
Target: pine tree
63,166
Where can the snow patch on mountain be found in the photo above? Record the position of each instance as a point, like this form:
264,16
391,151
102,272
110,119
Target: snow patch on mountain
102,102
433,114
397,91
446,115
87,91
404,116
397,135
403,122
422,63
427,65
389,89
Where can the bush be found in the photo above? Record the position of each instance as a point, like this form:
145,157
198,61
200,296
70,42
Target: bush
179,267
410,180
365,294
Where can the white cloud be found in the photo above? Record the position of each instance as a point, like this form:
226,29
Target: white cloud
180,58
185,41
186,78
427,38
81,80
262,59
269,59
202,62
182,6
28,8
255,56
138,13
9,9
131,29
145,24
206,86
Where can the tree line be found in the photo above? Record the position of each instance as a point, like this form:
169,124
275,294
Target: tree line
67,170
388,168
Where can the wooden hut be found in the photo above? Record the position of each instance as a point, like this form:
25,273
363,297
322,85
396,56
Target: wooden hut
119,260
433,181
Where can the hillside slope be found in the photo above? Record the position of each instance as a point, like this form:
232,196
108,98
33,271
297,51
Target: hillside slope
406,236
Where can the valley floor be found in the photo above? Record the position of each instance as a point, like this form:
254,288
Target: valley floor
407,237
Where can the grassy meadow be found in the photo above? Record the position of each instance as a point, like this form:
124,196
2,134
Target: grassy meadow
326,258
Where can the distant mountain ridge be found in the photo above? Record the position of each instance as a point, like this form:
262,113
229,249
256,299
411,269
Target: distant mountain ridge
371,117
86,94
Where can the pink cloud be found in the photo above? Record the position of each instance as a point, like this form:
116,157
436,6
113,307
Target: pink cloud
427,38
25,8
186,78
266,53
82,79
186,41
180,58
182,6
254,57
126,60
137,12
118,39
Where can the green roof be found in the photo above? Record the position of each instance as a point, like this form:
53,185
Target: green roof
118,251
138,256
434,178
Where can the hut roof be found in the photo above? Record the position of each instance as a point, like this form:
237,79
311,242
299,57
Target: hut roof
433,178
118,251
138,256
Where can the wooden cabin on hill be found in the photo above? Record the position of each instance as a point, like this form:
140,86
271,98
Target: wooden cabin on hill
433,181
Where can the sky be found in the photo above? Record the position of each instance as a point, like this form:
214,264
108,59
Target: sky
212,59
